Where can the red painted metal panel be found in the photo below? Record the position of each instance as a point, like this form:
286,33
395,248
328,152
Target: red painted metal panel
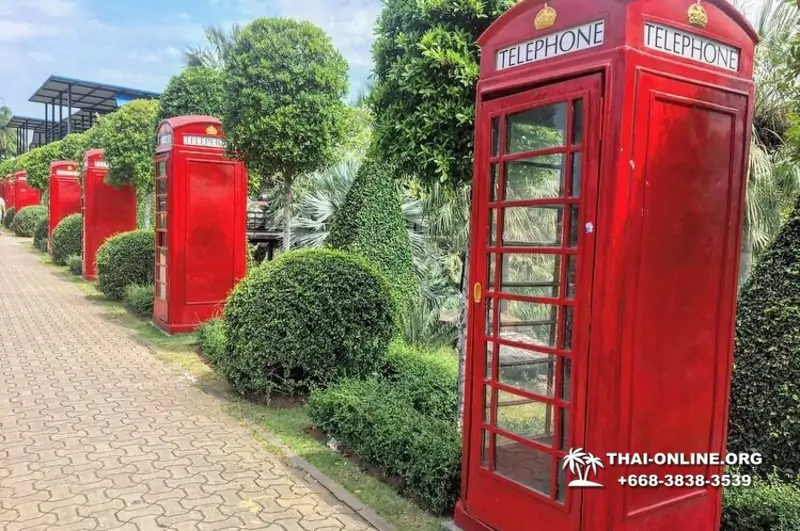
64,197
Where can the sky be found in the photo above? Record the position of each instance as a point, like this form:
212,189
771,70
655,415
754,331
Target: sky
140,43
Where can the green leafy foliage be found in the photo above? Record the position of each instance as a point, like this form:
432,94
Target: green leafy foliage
37,164
138,300
370,223
128,138
768,505
196,90
402,422
765,393
8,217
74,145
7,167
426,70
212,339
125,259
75,265
40,233
67,239
793,135
308,317
25,220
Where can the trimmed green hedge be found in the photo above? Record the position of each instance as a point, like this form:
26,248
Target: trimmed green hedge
213,342
8,217
125,259
765,393
310,316
370,223
67,239
138,299
764,506
75,265
25,220
40,233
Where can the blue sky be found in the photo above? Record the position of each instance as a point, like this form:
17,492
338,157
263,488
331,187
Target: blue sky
139,43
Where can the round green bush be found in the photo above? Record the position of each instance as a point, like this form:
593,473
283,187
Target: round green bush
25,221
125,259
310,316
67,239
212,340
75,265
8,218
40,233
138,300
767,505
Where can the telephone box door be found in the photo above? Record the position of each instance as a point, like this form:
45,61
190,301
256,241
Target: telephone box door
533,234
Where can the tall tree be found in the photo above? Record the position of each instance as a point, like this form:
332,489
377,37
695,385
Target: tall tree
8,139
285,115
426,69
214,54
195,90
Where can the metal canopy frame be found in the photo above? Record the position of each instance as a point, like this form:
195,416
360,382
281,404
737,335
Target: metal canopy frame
25,126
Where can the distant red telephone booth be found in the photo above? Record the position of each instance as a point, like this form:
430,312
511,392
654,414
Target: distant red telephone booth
64,197
106,209
610,165
24,194
201,201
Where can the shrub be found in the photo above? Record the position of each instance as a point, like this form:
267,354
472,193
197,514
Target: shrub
67,239
138,299
765,392
379,424
75,264
8,218
309,316
370,223
40,233
125,259
213,342
765,506
25,220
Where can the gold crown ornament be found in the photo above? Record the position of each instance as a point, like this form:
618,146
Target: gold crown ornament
211,130
546,18
697,15
70,167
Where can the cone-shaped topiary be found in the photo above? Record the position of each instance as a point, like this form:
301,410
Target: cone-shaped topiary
370,223
67,239
765,394
125,259
25,220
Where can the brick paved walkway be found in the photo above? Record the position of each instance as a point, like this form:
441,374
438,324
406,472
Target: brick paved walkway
95,433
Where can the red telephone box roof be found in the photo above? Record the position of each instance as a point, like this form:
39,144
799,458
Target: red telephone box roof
21,175
193,119
60,164
93,153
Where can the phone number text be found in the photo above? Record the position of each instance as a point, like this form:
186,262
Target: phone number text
686,480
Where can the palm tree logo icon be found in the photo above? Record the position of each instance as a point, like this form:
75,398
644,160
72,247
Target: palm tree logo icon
580,463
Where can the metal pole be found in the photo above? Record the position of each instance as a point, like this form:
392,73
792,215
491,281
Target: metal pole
46,118
69,109
60,116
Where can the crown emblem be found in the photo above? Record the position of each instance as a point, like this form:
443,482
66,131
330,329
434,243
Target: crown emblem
70,167
211,130
697,15
546,18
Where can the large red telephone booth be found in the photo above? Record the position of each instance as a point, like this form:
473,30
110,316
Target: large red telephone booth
24,194
201,201
106,209
610,167
65,194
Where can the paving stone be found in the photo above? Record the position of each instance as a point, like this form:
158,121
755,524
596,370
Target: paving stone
97,434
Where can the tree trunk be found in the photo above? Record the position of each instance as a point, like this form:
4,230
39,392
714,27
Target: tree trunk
462,331
287,212
745,256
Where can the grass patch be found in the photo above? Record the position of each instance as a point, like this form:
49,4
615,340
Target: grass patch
290,425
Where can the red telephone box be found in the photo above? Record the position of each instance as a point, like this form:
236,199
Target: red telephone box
24,195
610,166
201,198
65,194
106,209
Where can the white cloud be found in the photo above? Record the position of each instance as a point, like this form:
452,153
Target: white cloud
11,30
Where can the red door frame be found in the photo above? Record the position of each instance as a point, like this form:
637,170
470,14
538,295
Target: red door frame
488,489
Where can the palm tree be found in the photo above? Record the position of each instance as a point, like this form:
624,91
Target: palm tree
216,53
8,143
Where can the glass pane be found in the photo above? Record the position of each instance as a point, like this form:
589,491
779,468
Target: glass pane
528,322
532,226
162,273
487,404
527,370
161,186
485,435
564,429
161,240
525,465
577,122
533,275
163,216
573,226
493,185
525,417
495,136
162,168
492,228
566,341
572,263
489,347
576,175
539,128
489,316
162,257
535,178
161,203
566,380
162,290
490,260
561,488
